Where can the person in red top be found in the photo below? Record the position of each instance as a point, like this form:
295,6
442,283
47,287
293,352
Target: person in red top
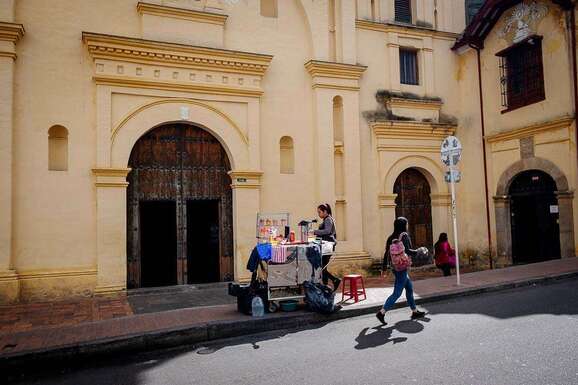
444,255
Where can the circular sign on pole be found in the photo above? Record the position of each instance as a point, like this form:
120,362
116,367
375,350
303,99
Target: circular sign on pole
451,151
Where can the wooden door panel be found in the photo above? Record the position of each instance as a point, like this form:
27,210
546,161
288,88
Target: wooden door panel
413,202
178,162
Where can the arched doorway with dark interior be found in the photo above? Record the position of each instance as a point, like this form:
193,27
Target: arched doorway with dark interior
534,217
413,201
179,208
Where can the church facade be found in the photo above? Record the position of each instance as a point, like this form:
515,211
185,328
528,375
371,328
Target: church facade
139,140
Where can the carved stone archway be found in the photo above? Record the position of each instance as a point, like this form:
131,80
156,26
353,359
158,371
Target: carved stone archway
502,206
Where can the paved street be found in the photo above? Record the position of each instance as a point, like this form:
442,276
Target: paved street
523,336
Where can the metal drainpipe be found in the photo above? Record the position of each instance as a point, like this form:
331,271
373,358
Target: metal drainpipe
575,72
486,195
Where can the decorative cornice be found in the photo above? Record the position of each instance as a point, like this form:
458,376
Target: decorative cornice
411,130
248,179
406,148
405,30
443,199
387,200
529,130
414,103
181,13
11,55
112,172
111,177
569,194
11,32
335,87
335,70
217,89
187,56
245,173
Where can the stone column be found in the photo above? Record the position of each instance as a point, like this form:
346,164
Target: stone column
10,33
111,229
566,223
246,187
503,229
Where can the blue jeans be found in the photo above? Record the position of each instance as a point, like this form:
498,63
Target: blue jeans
402,281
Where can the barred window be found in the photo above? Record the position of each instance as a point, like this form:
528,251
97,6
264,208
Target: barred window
408,66
522,74
403,11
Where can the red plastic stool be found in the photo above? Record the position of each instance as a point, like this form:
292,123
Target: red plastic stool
353,292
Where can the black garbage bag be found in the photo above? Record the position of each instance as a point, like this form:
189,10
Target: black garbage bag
319,298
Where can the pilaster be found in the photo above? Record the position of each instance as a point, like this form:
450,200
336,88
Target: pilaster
331,80
246,185
566,223
10,33
111,229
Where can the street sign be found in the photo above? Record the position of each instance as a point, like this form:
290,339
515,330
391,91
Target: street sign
451,151
457,176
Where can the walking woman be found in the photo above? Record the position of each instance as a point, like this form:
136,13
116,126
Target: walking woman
399,243
327,233
444,255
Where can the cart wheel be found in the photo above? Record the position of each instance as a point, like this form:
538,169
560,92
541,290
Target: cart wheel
273,307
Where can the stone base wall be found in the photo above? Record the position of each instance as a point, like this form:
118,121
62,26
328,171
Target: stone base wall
354,263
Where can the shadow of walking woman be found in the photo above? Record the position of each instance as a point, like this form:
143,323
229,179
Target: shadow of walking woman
381,335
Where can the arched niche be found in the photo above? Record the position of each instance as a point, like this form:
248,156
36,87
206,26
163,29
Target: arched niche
149,116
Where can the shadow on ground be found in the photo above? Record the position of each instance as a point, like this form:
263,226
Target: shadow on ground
520,302
131,368
381,335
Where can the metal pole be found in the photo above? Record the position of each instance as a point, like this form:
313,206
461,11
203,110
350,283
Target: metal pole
455,223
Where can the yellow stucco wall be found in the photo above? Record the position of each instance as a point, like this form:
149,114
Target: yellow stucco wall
65,234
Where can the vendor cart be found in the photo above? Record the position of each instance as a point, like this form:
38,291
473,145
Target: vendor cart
275,282
279,269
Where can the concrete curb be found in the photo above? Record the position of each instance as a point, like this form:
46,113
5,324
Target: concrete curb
170,338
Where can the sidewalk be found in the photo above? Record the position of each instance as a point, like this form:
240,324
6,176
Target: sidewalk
111,326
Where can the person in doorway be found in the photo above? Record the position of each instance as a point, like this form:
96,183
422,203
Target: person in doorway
444,255
326,232
399,243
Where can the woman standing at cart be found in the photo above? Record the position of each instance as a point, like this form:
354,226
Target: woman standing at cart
327,233
402,245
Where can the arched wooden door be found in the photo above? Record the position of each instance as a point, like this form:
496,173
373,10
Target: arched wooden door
179,209
413,202
534,217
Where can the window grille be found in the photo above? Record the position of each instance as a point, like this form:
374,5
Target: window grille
522,74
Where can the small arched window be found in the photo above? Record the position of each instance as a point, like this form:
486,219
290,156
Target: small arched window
58,148
287,155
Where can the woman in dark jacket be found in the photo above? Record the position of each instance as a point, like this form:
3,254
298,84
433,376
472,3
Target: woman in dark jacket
402,280
327,233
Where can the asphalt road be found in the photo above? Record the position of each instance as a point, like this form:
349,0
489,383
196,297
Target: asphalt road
523,336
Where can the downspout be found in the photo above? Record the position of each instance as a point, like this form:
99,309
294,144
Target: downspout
574,71
489,229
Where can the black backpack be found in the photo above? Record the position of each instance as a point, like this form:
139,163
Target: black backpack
319,298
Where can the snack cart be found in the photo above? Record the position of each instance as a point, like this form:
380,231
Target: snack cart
283,266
